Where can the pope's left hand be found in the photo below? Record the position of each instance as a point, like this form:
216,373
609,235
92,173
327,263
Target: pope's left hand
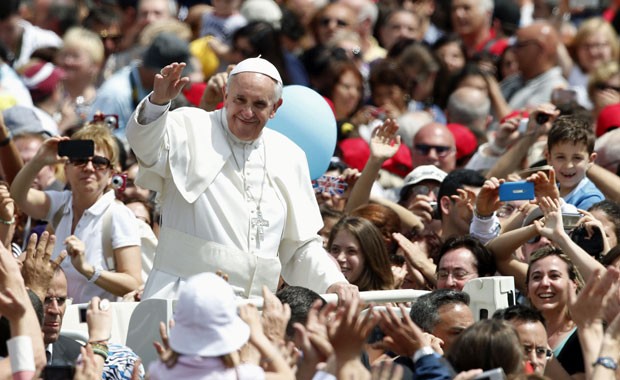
345,291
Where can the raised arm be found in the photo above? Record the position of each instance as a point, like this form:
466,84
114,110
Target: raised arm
553,229
384,144
15,305
33,202
607,182
127,276
10,160
7,216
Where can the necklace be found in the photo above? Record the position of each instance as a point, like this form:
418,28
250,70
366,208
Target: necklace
257,222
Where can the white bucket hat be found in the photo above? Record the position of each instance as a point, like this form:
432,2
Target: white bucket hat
206,320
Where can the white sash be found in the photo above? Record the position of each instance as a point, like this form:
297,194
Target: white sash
184,255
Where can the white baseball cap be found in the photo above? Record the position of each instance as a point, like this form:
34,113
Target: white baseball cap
257,65
206,320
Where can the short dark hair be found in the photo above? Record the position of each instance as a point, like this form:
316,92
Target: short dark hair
485,263
300,300
425,310
571,129
457,179
521,313
9,8
487,344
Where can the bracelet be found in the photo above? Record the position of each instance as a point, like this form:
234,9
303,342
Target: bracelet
482,217
100,349
8,222
96,274
6,141
606,362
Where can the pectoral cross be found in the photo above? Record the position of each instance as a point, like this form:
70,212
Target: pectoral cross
259,223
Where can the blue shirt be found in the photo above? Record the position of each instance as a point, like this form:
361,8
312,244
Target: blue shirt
584,195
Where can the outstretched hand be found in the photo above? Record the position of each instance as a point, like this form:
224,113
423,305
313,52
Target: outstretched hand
384,142
168,83
38,270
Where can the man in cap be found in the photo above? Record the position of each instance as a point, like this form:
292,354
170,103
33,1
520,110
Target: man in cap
419,193
235,197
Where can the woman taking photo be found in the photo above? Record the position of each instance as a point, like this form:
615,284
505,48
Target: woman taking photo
86,217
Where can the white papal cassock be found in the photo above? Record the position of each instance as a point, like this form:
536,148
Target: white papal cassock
210,220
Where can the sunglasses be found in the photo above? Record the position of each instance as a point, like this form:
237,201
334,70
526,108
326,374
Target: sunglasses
605,86
59,300
441,151
326,21
99,162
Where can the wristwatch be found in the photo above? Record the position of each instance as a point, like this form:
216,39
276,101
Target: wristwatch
606,362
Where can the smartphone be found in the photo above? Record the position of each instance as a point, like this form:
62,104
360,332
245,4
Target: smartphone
58,372
435,213
523,125
513,191
82,309
493,374
76,148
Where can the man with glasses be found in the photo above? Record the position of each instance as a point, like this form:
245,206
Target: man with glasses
536,50
434,144
530,326
461,259
60,350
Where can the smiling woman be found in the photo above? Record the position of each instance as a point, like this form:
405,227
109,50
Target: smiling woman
358,247
78,215
551,278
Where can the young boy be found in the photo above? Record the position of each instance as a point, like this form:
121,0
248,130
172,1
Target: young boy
570,150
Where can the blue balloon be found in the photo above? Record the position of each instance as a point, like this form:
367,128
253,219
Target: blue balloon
307,119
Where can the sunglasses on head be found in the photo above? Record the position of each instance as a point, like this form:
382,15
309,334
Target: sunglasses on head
99,162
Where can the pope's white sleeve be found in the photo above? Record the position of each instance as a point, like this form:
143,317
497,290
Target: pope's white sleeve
147,139
308,265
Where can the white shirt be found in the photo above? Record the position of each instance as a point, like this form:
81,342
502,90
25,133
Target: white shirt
124,231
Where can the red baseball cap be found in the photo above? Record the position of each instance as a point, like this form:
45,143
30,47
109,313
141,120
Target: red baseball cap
465,140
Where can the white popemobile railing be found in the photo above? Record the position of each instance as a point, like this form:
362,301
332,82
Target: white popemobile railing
136,324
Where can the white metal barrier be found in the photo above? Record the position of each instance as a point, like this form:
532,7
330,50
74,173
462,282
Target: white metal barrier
137,324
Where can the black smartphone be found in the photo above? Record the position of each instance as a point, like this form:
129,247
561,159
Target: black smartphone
58,372
82,309
76,148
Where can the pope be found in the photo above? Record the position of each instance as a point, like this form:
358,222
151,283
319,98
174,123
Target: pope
234,196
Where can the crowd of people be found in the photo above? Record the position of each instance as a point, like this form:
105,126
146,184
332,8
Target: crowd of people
475,138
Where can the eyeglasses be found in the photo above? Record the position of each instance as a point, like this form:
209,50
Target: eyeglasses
457,274
605,86
424,190
326,21
541,352
441,151
99,162
59,300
